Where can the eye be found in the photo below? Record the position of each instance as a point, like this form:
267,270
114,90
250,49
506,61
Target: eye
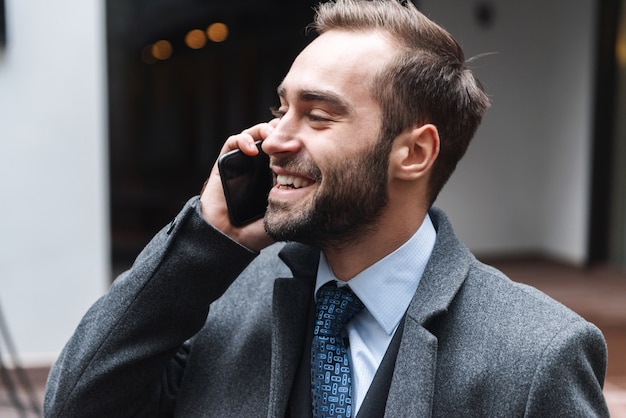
319,116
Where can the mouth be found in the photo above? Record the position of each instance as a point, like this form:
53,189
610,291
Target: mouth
288,181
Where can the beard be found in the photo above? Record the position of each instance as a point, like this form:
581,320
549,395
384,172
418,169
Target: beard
349,199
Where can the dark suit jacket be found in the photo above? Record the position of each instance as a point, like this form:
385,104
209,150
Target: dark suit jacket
474,343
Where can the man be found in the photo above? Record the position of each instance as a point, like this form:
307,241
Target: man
374,115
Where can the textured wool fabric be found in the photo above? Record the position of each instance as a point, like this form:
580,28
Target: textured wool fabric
202,327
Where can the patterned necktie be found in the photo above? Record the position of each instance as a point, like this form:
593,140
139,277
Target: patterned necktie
330,369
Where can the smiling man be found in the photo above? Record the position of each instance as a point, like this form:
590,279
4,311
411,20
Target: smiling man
352,297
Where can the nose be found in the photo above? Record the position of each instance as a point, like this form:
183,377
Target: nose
283,139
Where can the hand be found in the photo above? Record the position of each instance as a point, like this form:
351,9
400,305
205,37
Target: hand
214,208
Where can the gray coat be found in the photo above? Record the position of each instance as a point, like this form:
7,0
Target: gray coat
474,343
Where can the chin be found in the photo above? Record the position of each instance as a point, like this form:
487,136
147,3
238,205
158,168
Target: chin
287,225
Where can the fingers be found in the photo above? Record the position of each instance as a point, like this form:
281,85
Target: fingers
245,141
274,122
213,204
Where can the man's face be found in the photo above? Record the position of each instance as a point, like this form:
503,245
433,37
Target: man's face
330,164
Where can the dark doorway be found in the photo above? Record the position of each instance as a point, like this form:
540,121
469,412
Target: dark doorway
170,109
618,214
3,32
603,196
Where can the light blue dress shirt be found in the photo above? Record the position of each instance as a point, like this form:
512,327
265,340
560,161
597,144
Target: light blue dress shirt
386,289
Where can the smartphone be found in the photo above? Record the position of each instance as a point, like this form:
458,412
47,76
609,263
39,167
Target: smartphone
247,181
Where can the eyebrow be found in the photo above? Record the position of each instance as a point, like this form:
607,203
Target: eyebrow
324,96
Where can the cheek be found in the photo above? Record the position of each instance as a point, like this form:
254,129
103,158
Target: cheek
343,144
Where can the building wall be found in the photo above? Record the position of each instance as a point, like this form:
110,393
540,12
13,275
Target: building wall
523,186
53,235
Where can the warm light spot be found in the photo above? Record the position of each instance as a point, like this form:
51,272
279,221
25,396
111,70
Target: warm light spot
162,50
195,39
217,32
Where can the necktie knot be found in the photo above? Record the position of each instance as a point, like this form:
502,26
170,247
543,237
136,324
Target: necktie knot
335,307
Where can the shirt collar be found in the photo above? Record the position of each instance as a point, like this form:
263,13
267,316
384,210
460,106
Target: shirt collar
387,287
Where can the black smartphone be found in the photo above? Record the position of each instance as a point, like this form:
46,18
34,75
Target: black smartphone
247,181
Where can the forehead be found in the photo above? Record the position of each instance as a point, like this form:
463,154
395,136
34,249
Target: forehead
340,62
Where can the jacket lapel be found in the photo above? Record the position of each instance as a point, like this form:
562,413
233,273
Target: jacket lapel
413,381
292,298
413,384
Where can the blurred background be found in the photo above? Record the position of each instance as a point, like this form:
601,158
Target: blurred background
112,113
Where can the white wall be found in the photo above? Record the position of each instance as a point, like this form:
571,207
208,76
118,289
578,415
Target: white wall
524,184
53,220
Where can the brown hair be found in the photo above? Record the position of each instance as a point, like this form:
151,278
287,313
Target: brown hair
428,81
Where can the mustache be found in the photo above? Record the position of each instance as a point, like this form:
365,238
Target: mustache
296,164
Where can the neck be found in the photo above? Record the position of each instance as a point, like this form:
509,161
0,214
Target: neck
391,232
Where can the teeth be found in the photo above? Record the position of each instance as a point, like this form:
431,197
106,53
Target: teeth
293,181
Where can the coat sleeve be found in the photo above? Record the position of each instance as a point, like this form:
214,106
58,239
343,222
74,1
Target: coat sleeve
128,353
569,378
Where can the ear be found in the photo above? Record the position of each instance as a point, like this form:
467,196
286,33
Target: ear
414,152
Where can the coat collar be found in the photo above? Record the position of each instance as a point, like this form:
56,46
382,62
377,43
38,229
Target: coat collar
445,272
413,384
301,259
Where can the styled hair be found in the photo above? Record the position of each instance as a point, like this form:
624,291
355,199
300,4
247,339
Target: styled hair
427,81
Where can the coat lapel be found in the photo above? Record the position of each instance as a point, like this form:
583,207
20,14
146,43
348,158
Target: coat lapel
413,381
413,384
291,301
